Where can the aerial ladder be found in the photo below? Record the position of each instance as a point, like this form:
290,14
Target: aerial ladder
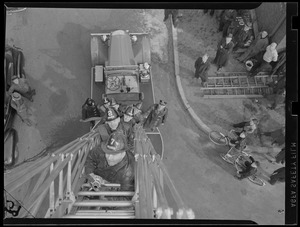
58,187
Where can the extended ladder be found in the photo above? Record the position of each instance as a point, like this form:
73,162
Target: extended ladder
237,85
57,187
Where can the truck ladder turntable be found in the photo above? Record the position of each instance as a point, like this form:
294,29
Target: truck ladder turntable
237,85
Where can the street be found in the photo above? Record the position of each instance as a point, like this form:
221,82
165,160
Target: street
56,46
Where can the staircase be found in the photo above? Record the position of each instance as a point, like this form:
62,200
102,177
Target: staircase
237,85
58,188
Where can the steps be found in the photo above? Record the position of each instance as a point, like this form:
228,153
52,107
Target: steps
96,205
237,85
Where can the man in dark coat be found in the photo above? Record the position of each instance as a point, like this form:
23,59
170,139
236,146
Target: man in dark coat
227,17
90,112
155,115
259,44
277,176
224,49
113,162
242,37
202,66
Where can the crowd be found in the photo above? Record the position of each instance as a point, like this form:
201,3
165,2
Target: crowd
257,54
113,160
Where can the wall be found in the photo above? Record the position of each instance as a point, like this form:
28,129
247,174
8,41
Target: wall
268,16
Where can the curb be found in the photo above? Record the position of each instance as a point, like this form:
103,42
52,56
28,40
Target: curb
194,116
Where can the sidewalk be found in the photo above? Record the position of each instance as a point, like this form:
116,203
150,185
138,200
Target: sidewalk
200,36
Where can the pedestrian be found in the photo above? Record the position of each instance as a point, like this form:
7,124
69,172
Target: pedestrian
175,15
227,17
129,121
247,126
90,112
269,56
156,115
113,162
202,65
277,176
242,37
259,44
224,49
212,11
18,103
21,86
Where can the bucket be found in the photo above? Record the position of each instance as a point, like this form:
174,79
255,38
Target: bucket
249,65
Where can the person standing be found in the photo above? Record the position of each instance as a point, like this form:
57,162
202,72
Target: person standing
242,37
227,17
269,56
202,66
90,112
102,109
259,44
137,112
277,176
224,49
17,102
156,115
21,86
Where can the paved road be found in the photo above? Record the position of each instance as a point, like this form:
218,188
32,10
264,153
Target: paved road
56,47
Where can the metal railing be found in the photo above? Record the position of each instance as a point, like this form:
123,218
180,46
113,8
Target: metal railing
57,172
151,178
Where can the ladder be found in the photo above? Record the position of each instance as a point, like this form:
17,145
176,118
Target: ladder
58,187
237,85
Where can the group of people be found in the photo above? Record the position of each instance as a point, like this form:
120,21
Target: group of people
238,41
113,160
251,166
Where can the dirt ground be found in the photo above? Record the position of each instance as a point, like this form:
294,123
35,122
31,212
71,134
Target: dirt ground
58,66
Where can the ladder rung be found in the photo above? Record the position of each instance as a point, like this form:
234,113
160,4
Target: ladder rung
91,203
108,214
107,185
107,193
100,217
82,212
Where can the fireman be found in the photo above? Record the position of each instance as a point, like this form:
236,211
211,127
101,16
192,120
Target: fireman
129,121
155,115
137,112
113,123
102,109
90,112
113,162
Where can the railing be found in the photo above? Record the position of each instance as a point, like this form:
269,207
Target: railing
151,178
56,176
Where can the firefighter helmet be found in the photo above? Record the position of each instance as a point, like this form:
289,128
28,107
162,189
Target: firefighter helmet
115,144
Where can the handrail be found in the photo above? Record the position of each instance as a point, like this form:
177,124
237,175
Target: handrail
147,177
66,165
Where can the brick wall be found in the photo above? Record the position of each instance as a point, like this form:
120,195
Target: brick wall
268,15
